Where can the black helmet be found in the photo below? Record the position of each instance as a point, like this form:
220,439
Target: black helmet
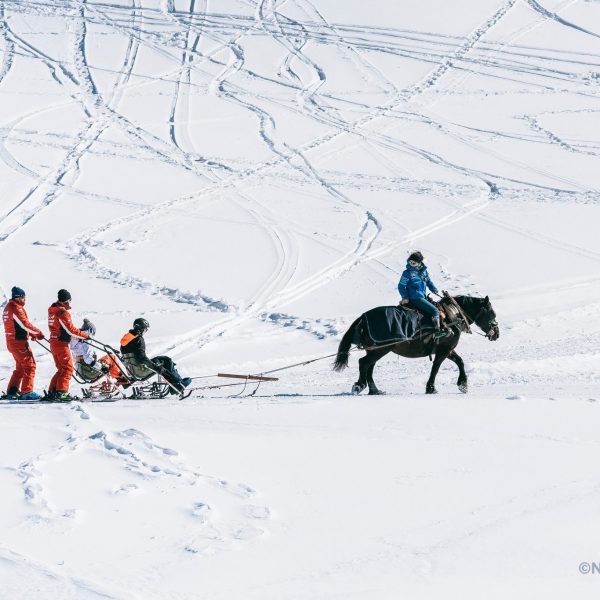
141,325
416,256
64,296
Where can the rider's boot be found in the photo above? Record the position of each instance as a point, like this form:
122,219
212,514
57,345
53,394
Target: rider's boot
439,331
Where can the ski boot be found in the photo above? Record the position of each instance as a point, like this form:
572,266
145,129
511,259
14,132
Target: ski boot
31,396
57,396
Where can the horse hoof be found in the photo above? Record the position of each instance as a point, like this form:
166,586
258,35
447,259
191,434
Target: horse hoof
357,389
376,393
431,391
463,387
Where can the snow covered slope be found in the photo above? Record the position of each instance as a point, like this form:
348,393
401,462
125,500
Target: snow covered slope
249,176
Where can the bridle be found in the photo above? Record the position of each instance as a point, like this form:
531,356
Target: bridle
493,331
492,326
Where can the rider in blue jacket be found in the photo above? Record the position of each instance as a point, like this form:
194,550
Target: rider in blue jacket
412,287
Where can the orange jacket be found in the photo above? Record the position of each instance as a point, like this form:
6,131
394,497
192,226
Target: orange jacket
16,323
60,324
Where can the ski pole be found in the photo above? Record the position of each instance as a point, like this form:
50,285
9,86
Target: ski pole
42,345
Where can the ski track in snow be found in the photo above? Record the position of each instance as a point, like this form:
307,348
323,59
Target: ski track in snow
165,29
137,22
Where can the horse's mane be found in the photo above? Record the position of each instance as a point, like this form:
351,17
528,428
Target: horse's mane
462,298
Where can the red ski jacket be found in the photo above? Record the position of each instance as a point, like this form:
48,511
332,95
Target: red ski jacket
16,323
60,324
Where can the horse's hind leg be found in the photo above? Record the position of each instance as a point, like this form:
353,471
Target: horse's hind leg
361,384
367,365
462,382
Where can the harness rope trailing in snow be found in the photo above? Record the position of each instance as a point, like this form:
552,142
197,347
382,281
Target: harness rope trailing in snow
260,377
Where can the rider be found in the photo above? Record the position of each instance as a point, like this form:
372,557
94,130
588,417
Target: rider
412,287
133,349
18,330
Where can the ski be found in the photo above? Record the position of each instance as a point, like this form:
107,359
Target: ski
4,400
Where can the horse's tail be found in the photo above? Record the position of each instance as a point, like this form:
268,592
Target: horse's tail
341,360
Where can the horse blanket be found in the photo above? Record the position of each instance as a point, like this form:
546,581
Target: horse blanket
392,323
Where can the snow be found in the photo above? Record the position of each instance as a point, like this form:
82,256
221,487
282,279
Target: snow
249,177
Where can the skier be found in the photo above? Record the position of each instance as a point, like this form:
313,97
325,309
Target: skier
18,330
133,351
62,331
412,287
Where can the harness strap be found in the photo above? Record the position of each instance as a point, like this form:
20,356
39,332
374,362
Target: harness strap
456,305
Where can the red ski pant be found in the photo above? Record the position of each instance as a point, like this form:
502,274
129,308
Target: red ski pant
24,372
64,365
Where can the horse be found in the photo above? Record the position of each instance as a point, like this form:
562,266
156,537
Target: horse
470,310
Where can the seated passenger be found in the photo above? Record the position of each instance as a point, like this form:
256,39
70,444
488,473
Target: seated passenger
133,352
87,364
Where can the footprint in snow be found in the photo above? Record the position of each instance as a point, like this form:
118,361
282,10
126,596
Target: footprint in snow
245,533
201,511
147,441
83,414
126,488
239,489
257,512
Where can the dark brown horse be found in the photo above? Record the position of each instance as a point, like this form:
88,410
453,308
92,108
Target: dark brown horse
475,310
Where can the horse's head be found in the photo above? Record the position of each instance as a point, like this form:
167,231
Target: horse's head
485,319
481,312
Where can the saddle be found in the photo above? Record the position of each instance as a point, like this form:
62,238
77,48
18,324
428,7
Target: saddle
441,307
449,314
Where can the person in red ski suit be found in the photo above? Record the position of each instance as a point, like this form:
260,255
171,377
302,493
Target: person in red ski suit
61,331
18,330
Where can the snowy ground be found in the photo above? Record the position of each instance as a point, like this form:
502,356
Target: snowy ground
249,176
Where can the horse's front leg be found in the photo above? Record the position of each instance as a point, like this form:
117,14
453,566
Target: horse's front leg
437,361
462,383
